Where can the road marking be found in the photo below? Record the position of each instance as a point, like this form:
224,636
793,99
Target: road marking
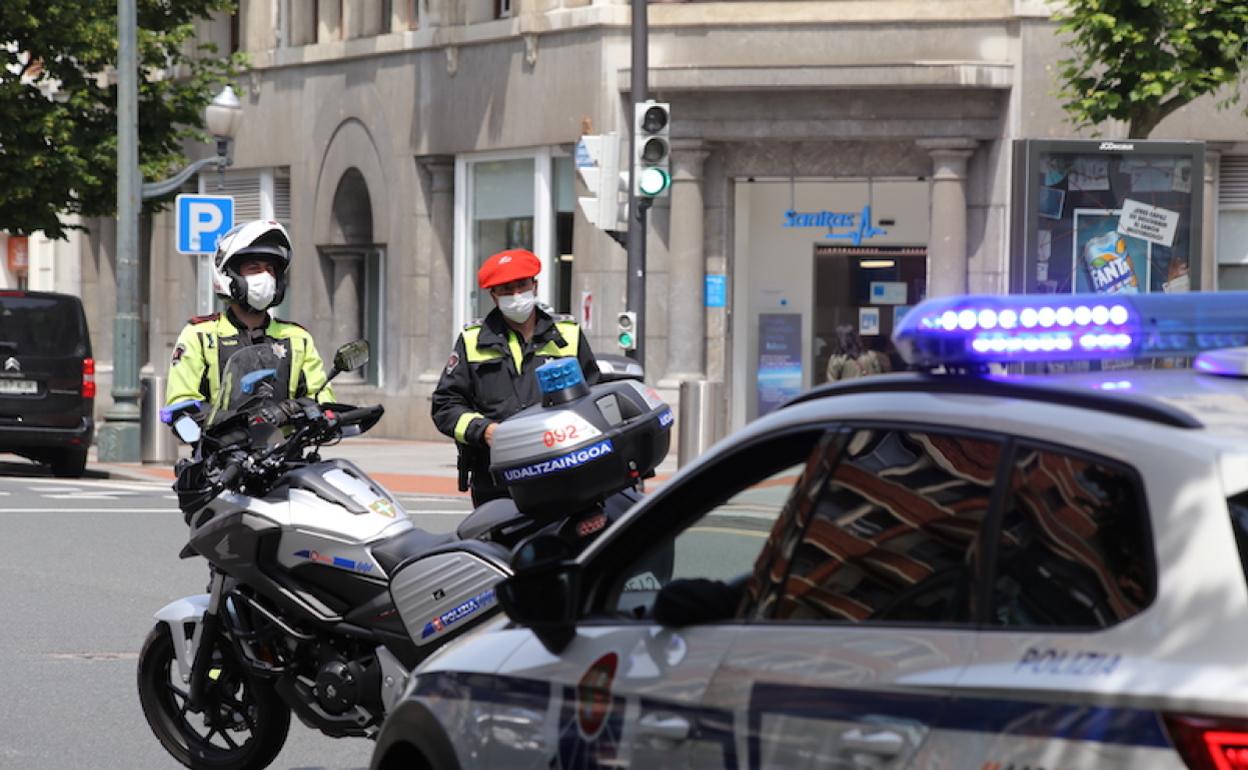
730,531
93,655
61,484
97,509
88,496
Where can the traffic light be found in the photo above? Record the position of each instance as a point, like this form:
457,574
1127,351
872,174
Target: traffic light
598,165
652,174
626,329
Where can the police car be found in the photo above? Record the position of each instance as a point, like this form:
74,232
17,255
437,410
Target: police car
964,569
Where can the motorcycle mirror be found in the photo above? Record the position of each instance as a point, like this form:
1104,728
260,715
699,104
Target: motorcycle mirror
351,355
187,429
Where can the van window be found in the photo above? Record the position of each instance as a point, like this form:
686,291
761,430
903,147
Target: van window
42,326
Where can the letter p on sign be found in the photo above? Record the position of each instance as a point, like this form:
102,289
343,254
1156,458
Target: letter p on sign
201,220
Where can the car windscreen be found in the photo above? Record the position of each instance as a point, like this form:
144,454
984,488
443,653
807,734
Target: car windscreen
41,326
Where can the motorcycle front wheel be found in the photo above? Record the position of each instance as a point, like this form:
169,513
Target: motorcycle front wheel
242,724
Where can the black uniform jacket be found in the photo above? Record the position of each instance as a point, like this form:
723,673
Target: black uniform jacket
491,374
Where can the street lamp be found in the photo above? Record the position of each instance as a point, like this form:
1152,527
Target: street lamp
222,117
119,435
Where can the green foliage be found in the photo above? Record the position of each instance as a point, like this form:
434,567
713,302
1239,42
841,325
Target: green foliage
58,123
1140,60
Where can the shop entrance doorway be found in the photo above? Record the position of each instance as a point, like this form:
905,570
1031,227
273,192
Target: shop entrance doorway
867,288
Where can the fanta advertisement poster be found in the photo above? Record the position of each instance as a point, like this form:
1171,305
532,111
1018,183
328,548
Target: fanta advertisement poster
1105,260
1106,216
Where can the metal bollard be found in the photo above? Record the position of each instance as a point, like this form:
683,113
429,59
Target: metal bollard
156,441
701,418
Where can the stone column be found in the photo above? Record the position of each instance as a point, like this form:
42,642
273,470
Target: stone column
1209,219
441,251
686,330
947,255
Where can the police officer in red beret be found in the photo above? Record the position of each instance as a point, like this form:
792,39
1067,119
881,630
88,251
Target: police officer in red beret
490,374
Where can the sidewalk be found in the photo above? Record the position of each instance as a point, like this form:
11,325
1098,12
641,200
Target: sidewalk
409,467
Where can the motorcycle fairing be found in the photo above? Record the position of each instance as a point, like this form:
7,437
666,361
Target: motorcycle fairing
176,615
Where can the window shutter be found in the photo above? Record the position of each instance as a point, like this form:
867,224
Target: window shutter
1233,182
281,197
244,185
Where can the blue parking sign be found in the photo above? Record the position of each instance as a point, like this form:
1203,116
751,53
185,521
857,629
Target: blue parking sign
201,220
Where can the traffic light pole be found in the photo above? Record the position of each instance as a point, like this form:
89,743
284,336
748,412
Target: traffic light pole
638,92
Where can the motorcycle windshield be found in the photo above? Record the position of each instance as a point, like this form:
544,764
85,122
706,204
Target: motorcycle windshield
249,378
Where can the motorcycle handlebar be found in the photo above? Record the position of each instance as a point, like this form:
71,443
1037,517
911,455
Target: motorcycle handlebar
354,416
230,475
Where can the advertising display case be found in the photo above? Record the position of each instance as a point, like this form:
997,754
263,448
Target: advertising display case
1113,216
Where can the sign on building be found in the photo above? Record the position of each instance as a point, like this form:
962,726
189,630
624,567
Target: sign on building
201,220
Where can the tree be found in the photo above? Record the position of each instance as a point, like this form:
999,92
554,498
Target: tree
58,102
1140,60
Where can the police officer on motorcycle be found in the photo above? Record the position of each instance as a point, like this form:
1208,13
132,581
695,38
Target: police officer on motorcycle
249,272
490,374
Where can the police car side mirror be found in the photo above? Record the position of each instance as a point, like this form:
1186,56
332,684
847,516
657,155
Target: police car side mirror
542,593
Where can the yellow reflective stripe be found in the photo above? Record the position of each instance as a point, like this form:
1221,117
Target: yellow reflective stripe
461,425
476,354
571,338
517,353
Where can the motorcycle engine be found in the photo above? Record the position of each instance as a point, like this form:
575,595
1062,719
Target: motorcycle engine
340,684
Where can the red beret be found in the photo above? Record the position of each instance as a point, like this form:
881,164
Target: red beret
507,266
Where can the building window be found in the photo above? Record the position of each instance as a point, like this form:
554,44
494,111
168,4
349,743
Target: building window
502,9
1232,227
503,201
357,276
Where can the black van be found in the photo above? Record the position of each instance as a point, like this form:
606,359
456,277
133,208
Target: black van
47,380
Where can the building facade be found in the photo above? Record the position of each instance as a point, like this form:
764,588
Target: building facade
819,149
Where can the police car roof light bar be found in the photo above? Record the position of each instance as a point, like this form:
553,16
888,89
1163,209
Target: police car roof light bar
972,330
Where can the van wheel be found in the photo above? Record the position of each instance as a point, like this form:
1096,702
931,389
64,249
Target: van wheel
69,463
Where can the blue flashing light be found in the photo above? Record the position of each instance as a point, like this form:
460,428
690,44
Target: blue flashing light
968,330
560,374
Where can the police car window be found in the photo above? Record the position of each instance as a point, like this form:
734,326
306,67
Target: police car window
891,536
1074,548
734,507
1238,508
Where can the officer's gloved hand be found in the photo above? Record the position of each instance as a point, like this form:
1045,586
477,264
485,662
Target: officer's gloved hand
279,413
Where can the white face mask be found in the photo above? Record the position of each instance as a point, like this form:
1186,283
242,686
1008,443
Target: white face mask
517,307
261,289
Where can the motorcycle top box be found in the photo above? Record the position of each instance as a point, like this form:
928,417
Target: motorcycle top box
581,443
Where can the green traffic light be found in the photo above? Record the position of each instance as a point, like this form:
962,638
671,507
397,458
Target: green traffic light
626,340
653,181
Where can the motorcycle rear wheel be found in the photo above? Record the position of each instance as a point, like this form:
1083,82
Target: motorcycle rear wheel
242,726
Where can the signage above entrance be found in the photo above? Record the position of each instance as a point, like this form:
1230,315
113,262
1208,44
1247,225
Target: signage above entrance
857,226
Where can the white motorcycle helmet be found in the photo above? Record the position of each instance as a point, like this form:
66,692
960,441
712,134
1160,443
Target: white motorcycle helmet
258,239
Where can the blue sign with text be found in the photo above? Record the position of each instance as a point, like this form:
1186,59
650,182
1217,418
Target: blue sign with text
858,226
716,294
201,220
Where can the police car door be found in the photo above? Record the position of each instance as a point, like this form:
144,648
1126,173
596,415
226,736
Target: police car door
663,593
858,612
1071,568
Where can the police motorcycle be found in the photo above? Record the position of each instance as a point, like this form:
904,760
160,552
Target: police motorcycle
323,595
